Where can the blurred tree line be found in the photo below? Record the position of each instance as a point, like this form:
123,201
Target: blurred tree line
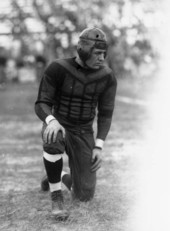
49,29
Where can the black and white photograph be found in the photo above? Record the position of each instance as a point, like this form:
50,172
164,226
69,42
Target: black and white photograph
84,115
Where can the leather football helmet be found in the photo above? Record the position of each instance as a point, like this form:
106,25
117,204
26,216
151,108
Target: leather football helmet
89,39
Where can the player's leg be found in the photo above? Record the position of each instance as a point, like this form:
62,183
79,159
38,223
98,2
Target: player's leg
79,148
53,162
65,178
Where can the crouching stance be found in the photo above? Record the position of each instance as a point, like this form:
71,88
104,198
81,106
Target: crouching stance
70,91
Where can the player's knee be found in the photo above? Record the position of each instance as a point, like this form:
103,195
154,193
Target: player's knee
86,187
86,192
87,195
54,148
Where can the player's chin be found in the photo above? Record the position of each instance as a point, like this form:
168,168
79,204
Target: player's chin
97,66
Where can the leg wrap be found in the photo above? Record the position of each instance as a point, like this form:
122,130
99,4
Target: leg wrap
53,170
52,158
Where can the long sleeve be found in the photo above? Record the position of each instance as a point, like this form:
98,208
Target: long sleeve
105,108
46,93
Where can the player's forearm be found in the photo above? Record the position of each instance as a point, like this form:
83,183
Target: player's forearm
43,110
103,127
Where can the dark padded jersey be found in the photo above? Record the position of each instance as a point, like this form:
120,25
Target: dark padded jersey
74,93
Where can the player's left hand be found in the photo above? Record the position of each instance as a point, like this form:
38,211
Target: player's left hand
96,159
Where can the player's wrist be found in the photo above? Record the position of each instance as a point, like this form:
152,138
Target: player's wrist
99,144
49,119
97,147
53,121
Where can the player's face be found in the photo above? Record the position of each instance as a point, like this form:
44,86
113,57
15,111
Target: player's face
97,58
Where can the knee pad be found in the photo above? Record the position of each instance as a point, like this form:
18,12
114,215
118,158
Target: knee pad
56,147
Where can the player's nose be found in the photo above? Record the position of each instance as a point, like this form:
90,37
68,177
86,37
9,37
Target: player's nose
101,57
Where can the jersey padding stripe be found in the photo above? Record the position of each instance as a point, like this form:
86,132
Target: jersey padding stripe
84,77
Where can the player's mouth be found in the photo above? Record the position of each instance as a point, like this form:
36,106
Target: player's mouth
99,64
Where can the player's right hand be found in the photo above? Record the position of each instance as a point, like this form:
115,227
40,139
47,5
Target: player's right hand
50,133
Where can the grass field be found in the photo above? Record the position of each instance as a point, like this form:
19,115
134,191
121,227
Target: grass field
24,207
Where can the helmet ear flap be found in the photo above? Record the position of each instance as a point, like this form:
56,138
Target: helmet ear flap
84,49
83,55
